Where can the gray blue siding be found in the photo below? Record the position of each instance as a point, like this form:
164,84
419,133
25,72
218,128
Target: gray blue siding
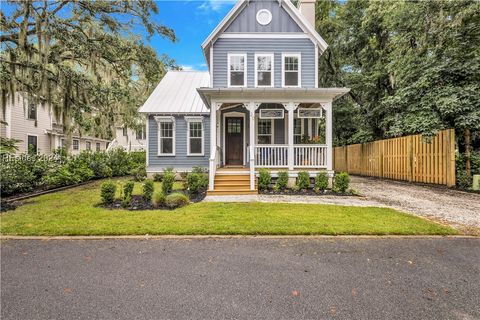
180,161
247,19
223,46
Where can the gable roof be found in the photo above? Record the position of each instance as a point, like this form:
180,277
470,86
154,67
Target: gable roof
289,8
177,93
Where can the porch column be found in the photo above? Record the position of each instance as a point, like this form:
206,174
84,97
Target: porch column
290,108
252,107
329,136
213,145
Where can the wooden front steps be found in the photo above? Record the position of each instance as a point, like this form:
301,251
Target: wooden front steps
232,184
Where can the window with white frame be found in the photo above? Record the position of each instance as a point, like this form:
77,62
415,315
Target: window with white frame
264,70
75,144
32,144
237,70
195,137
166,136
291,70
265,131
298,131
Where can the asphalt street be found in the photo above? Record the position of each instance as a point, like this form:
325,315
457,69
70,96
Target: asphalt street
241,278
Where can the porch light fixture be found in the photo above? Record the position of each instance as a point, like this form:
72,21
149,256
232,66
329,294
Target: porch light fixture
264,17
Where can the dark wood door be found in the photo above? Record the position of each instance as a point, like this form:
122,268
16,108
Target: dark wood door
234,141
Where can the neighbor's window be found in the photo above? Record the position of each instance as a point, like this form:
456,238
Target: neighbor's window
98,146
125,132
32,112
297,131
195,138
32,144
75,144
141,134
291,70
265,131
264,70
237,65
166,137
88,145
62,143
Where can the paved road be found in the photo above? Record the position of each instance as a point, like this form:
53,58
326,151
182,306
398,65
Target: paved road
241,279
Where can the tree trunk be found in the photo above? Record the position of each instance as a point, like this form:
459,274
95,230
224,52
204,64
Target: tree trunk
468,151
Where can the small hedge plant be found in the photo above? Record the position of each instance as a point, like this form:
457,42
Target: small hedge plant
321,182
158,199
176,200
158,177
196,182
107,192
139,173
127,193
147,190
341,182
303,180
264,179
168,180
282,180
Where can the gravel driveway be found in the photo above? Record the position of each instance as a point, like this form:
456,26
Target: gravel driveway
457,208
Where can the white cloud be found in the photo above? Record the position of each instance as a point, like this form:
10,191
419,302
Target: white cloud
214,5
187,68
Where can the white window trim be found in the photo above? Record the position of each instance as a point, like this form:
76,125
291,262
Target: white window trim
28,113
299,56
272,56
166,119
195,120
90,145
26,143
302,129
245,68
78,144
272,134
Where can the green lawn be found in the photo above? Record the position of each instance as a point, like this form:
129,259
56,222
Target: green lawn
72,212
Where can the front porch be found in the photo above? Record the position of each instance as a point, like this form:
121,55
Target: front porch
276,128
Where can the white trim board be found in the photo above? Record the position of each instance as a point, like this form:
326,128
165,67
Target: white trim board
259,35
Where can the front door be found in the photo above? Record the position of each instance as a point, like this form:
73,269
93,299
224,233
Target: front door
234,141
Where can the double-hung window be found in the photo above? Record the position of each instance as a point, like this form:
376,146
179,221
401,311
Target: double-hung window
76,144
32,112
237,70
291,64
32,144
166,136
264,70
194,136
265,131
98,146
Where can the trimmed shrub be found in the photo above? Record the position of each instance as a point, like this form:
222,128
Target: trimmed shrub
139,173
282,180
321,181
303,180
128,189
158,177
264,179
107,192
196,182
158,199
341,182
176,200
168,180
126,201
147,190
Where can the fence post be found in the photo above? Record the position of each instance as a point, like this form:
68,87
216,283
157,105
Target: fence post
450,155
410,163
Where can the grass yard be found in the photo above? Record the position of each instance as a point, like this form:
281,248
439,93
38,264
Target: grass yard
73,212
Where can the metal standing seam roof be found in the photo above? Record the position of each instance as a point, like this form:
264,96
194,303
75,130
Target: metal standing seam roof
177,93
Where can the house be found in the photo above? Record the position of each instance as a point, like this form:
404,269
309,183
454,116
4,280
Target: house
36,126
258,106
129,139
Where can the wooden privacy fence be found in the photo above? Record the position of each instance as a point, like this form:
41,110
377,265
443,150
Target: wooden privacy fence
406,158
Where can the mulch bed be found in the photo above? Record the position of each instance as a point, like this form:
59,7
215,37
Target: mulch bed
306,192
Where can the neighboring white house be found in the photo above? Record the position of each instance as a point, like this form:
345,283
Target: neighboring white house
129,139
36,126
258,106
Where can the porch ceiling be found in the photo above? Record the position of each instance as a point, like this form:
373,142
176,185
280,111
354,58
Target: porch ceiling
277,95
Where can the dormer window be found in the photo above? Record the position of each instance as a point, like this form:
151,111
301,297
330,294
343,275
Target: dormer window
291,63
237,70
264,70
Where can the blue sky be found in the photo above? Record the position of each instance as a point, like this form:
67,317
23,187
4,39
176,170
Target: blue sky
192,21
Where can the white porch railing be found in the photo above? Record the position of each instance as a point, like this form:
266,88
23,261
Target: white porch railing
271,156
310,156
